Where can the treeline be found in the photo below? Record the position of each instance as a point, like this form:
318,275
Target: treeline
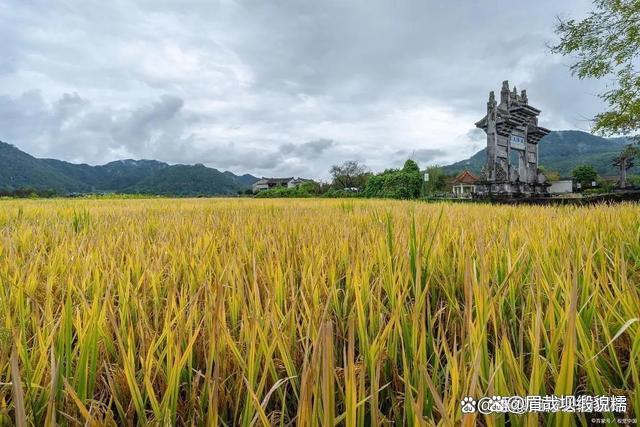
352,179
27,193
39,193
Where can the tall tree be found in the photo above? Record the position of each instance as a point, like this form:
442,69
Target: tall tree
624,161
607,44
412,174
350,174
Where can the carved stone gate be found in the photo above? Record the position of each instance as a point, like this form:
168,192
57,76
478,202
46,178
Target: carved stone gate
512,137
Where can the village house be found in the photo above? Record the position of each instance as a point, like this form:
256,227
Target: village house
267,183
464,184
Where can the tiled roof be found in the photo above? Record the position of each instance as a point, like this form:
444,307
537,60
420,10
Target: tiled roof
275,180
465,177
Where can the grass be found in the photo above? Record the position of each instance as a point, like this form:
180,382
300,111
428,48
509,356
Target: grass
311,312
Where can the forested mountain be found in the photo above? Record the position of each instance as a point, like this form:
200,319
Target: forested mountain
562,151
188,180
119,175
19,169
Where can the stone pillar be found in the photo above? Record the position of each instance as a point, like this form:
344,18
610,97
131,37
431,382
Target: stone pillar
505,95
492,137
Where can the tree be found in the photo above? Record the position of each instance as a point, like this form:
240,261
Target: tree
585,175
607,43
624,161
350,174
411,172
402,183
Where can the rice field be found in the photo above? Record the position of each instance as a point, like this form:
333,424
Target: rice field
311,312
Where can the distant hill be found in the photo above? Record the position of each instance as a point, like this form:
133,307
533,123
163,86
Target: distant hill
562,151
246,180
186,180
19,169
117,175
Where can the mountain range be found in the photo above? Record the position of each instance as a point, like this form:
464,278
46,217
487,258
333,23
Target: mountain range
19,169
561,151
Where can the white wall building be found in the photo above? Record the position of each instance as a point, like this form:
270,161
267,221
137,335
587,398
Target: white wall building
562,186
266,183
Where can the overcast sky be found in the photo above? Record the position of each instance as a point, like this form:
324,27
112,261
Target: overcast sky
276,87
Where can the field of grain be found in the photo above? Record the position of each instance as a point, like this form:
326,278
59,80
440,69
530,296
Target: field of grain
311,312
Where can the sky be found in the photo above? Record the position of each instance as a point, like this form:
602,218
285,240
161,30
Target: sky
277,88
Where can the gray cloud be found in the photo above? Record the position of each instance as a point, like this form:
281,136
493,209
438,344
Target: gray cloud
88,132
423,155
309,149
427,155
275,87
